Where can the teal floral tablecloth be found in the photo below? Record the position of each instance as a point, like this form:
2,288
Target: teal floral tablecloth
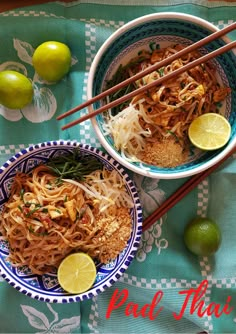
163,270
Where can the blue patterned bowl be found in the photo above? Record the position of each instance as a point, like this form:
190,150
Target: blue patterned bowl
45,287
163,29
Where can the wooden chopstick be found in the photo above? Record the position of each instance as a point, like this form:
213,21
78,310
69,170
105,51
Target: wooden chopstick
159,81
152,68
182,192
156,82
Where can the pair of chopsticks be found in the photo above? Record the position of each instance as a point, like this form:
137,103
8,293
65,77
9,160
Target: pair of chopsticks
157,82
182,192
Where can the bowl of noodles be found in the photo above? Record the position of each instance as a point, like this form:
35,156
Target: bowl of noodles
48,213
148,134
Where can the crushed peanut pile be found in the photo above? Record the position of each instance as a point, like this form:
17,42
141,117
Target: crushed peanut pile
164,153
113,233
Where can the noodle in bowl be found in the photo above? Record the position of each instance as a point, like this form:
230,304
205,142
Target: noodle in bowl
151,34
38,279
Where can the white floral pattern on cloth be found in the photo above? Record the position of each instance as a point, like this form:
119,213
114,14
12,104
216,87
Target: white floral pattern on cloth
39,321
44,103
151,196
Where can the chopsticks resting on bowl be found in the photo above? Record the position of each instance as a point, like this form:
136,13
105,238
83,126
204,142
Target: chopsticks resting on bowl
182,192
158,81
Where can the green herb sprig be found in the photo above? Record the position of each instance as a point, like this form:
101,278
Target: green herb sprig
73,165
38,234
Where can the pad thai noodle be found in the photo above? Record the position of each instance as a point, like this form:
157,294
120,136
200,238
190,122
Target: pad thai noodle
153,126
44,220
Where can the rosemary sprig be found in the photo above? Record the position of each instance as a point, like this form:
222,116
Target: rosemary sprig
73,165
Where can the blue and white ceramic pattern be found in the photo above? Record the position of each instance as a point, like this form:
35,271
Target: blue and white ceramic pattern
46,287
163,29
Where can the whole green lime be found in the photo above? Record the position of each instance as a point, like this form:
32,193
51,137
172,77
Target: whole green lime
16,90
52,60
202,236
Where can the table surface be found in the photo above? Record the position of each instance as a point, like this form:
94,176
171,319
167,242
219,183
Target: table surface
7,5
162,263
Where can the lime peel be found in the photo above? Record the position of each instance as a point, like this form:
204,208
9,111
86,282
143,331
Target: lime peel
16,90
202,236
52,60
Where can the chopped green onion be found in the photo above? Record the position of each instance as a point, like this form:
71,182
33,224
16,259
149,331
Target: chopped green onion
32,211
73,165
174,135
152,45
31,230
161,71
20,208
22,191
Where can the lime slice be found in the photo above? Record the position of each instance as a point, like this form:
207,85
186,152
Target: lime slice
209,131
77,273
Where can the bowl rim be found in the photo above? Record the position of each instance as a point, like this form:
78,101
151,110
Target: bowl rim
131,24
125,261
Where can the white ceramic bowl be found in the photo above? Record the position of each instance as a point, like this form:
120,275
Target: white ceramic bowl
46,287
163,29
